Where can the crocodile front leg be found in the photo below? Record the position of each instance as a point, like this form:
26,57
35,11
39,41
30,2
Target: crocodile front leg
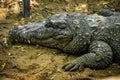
99,56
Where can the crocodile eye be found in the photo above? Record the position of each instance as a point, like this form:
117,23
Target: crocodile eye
48,24
56,23
60,25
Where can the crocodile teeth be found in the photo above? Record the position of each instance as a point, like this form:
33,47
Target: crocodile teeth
29,41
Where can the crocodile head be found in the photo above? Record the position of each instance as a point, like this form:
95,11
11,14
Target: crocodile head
52,32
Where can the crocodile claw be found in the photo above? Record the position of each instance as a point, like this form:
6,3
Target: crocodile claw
73,66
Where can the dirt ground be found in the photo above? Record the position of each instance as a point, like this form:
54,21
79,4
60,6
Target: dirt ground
34,62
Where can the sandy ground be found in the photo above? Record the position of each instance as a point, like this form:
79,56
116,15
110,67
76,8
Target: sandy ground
34,62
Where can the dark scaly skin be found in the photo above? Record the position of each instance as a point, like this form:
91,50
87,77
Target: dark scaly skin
94,36
107,13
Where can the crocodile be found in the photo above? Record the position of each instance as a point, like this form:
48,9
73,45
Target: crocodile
94,38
